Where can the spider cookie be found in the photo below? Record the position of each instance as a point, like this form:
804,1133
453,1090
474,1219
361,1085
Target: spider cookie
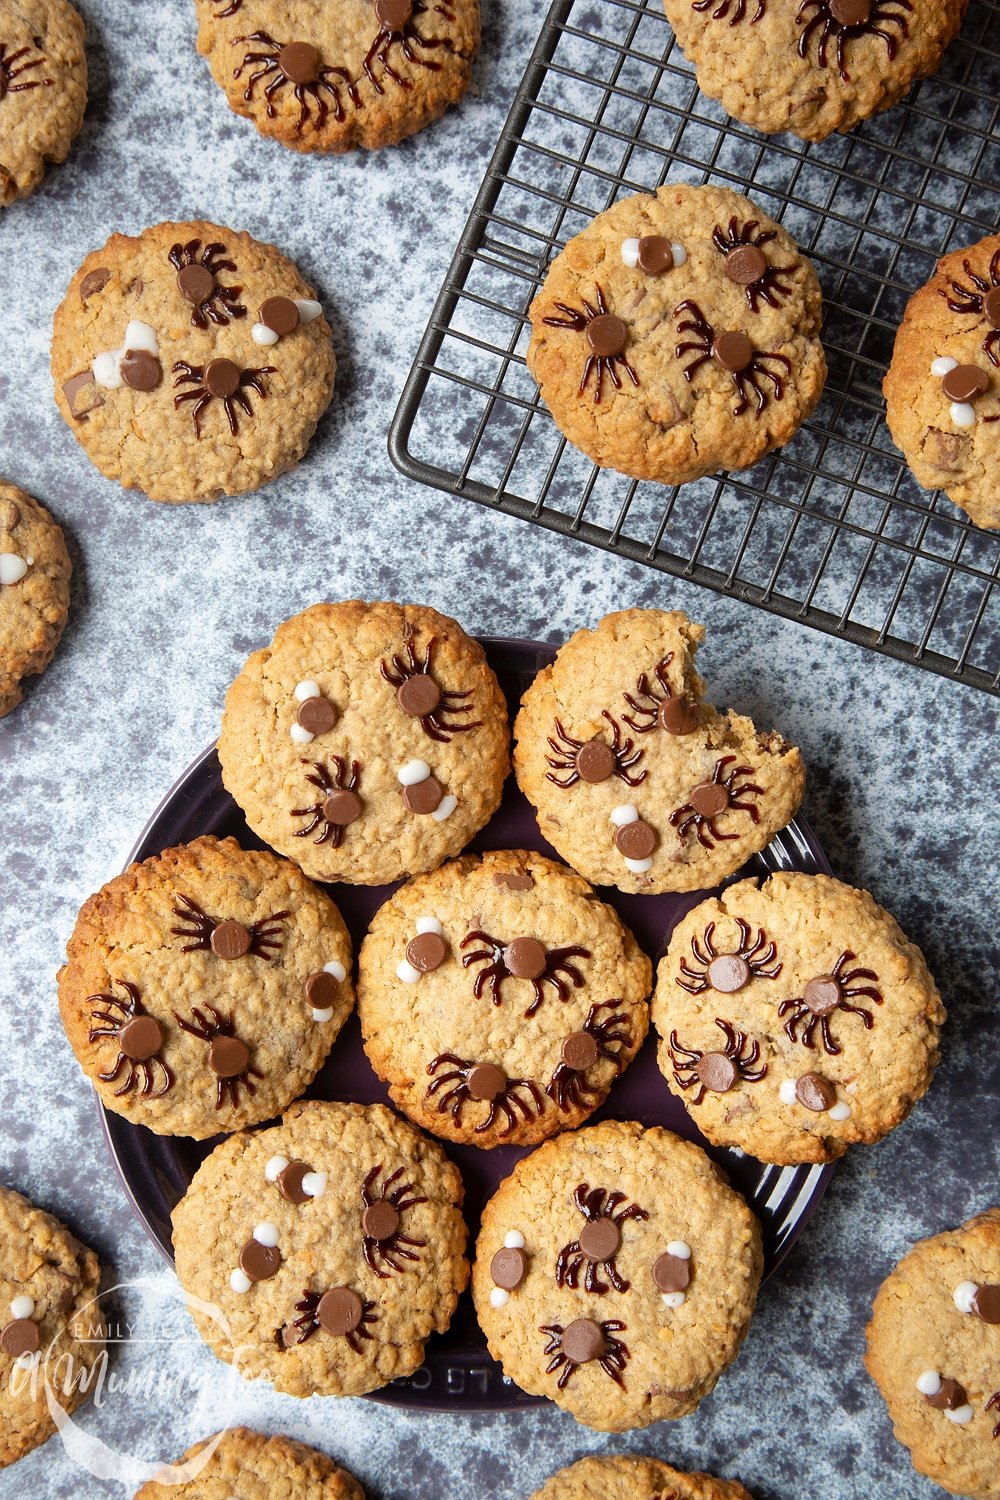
191,361
367,742
35,571
51,1328
625,1477
812,66
934,1353
499,999
637,781
350,73
204,988
942,389
43,90
280,1466
616,1273
333,1244
678,334
795,1018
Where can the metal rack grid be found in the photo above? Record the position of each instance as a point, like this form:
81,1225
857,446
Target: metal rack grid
831,530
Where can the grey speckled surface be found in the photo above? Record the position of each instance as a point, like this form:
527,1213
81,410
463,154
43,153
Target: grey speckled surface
167,602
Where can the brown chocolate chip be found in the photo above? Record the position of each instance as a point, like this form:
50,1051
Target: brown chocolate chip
822,994
525,958
94,282
228,1056
393,15
746,265
717,1072
595,761
290,1182
508,1268
677,715
600,1239
316,715
728,973
380,1220
342,808
259,1262
141,1039
340,1310
851,12
580,1051
655,254
486,1081
299,61
733,351
230,940
991,307
83,395
583,1341
950,1397
426,952
671,1273
635,840
222,377
514,882
606,335
10,514
965,382
815,1093
709,799
280,314
986,1303
20,1337
423,796
321,990
195,284
141,371
418,696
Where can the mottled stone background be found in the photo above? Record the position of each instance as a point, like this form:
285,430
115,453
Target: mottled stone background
168,601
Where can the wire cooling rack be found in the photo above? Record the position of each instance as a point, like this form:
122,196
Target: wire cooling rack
832,530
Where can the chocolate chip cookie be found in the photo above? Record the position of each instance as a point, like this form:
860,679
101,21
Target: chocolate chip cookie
35,570
625,1477
280,1466
43,90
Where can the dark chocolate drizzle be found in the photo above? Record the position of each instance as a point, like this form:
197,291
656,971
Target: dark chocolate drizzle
378,64
823,25
15,65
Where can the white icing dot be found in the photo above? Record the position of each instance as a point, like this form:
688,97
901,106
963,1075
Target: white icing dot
445,808
620,816
514,1240
406,972
107,367
787,1093
308,310
943,366
929,1383
630,252
639,866
679,253
106,370
22,1307
498,1297
336,968
325,1014
429,924
307,689
266,1234
964,1294
963,415
413,772
673,1299
12,568
261,334
275,1167
239,1281
962,1415
839,1111
299,735
314,1184
680,1248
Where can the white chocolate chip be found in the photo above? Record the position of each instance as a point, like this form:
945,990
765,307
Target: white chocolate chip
513,1240
962,1415
630,252
261,334
679,253
943,366
239,1281
787,1093
412,772
963,415
406,972
107,368
299,735
22,1307
336,968
639,866
12,568
929,1383
964,1294
326,1014
623,815
498,1297
673,1299
308,310
679,1248
314,1184
429,924
275,1167
445,808
307,689
266,1234
839,1111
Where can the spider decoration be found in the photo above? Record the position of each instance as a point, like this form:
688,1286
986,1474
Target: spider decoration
397,28
139,1037
717,1072
420,697
738,8
384,1244
339,805
483,1083
339,1312
197,267
993,1404
823,996
844,21
230,10
748,266
606,338
227,939
730,970
657,706
587,1341
296,65
524,958
568,1087
734,353
221,379
228,1056
982,298
25,63
593,760
712,798
599,1241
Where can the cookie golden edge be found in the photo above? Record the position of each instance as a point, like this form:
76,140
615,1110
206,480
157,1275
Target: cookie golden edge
635,1477
274,1460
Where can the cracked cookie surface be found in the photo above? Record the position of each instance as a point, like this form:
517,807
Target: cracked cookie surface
280,1467
35,572
43,90
629,1477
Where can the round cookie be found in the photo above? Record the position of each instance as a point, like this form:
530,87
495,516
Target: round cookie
812,66
616,1273
204,988
637,781
678,334
191,361
795,1018
43,90
627,1477
345,74
35,571
942,389
51,1326
934,1352
332,1244
367,742
279,1466
499,999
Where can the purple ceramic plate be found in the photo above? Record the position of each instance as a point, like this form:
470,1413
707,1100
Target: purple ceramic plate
459,1374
